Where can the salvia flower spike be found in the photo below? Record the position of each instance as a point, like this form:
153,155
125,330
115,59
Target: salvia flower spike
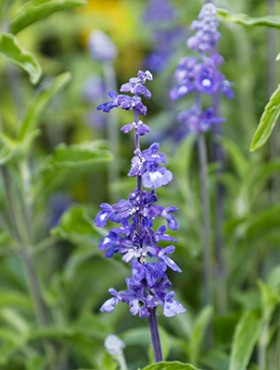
135,238
200,74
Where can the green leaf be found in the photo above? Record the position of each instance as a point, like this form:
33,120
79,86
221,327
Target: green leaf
76,226
36,109
199,329
109,363
171,366
82,158
274,280
36,363
35,10
17,299
268,120
11,48
245,337
236,156
277,57
79,156
244,20
263,223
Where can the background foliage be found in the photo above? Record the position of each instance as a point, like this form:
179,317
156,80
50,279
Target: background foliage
54,164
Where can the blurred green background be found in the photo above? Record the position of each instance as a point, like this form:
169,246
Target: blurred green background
55,158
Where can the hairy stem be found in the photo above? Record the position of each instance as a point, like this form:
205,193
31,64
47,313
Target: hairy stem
155,335
25,253
206,244
221,271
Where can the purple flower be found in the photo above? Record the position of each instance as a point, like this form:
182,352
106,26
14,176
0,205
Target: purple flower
101,47
196,121
159,11
147,289
135,239
208,79
140,128
106,107
94,88
200,74
134,86
206,28
146,165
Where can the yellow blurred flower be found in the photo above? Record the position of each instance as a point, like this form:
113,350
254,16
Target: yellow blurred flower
119,19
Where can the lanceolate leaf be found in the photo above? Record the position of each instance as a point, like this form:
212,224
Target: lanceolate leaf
244,20
10,47
36,109
35,10
170,366
199,330
245,337
78,156
268,120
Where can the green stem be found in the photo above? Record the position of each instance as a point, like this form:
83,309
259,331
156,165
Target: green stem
263,345
206,244
25,254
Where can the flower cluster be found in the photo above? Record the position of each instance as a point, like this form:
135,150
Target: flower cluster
201,74
136,238
101,47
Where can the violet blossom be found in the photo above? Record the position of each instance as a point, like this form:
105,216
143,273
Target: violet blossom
200,74
136,239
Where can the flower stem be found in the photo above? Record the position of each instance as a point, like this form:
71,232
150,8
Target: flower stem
112,130
155,335
221,271
25,254
206,244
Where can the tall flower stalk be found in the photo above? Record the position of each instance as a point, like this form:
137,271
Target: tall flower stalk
200,74
136,239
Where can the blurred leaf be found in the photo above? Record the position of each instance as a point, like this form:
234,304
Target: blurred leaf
81,158
269,299
170,366
17,299
14,319
35,10
11,48
236,156
245,337
274,280
38,106
199,329
244,20
35,363
137,336
92,325
77,226
268,120
262,223
78,156
109,363
277,57
216,360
